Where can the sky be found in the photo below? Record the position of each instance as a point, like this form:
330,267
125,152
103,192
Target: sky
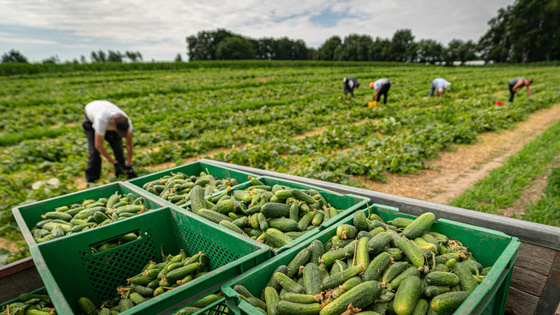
69,29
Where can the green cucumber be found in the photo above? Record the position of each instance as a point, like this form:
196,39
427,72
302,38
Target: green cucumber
448,303
312,279
407,295
290,308
419,225
377,267
360,296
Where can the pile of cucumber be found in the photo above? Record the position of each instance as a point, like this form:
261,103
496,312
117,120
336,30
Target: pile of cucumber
114,243
32,304
373,267
176,188
273,215
91,213
153,280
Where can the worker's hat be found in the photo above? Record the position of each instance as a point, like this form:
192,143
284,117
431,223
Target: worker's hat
371,85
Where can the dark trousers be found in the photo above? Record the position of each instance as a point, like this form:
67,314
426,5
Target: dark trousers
383,91
511,92
93,168
348,89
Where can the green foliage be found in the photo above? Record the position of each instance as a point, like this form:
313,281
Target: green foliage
13,56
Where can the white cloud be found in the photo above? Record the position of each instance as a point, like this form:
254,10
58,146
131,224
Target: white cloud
149,24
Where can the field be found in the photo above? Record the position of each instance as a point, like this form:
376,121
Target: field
291,119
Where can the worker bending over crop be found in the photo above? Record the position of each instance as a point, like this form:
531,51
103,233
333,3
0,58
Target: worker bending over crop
519,83
381,87
439,85
104,120
350,84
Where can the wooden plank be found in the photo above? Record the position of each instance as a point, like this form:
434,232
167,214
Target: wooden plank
550,297
528,281
536,258
521,303
21,282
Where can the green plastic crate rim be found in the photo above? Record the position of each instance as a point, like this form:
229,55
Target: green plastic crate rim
195,168
489,247
28,215
349,202
217,308
16,299
70,270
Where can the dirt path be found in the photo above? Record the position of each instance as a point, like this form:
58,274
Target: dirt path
460,169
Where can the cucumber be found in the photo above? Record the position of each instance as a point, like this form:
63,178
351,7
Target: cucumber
182,272
275,238
360,221
360,296
224,207
272,282
421,308
346,231
230,225
305,220
330,257
419,225
288,284
407,295
213,216
378,242
442,278
290,308
271,298
275,210
467,281
294,211
283,224
300,195
393,271
377,267
411,271
299,298
197,199
57,215
312,279
448,303
87,306
339,278
435,290
318,218
401,222
409,249
317,249
362,255
299,260
263,223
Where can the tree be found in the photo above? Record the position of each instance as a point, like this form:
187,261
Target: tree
495,43
400,43
133,56
327,50
178,58
52,59
356,47
14,56
98,56
428,50
235,48
115,56
287,49
83,59
380,50
265,48
203,46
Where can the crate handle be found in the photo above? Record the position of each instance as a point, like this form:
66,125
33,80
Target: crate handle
115,241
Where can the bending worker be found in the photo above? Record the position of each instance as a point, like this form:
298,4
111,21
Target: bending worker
350,84
105,121
381,87
519,83
439,85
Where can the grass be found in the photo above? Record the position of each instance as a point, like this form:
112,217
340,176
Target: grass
546,210
504,185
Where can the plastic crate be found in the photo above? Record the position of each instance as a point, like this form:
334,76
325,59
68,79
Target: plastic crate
489,247
217,308
195,168
70,270
349,203
28,215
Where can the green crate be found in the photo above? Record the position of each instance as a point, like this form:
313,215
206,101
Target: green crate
217,308
28,215
70,270
195,168
489,247
350,203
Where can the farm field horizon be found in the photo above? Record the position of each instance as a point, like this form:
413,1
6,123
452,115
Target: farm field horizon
294,120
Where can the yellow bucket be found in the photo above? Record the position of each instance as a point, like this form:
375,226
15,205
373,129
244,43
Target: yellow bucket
372,104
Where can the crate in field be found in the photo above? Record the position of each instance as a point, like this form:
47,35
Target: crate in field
489,247
229,178
71,270
27,216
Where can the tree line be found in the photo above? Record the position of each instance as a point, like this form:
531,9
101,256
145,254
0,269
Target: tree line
526,31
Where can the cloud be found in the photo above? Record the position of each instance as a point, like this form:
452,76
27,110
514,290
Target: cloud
149,24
